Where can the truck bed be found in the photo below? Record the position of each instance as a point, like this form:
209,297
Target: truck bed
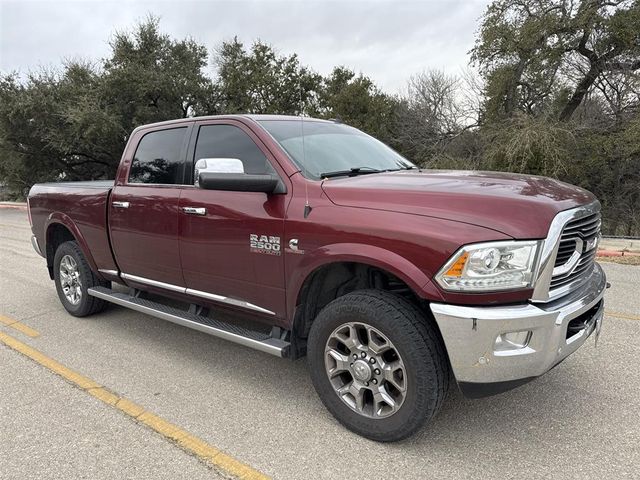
81,207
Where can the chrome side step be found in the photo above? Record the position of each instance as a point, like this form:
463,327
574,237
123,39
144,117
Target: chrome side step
234,333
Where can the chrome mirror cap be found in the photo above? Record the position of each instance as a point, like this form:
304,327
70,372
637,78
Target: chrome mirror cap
217,165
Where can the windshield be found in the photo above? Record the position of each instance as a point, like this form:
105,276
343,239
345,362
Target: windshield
332,147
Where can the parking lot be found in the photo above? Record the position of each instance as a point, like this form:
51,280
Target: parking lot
581,420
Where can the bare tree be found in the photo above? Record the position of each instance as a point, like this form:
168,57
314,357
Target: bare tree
431,113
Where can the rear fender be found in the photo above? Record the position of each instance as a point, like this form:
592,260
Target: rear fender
63,219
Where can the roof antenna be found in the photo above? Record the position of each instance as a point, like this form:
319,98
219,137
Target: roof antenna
307,207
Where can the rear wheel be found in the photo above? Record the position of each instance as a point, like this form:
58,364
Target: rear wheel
73,277
377,364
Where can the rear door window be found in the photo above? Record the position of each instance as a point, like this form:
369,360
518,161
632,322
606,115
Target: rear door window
158,158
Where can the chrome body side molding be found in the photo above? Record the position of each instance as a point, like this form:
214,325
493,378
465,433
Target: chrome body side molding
197,293
153,283
228,301
108,272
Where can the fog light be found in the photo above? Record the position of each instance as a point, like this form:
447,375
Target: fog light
512,341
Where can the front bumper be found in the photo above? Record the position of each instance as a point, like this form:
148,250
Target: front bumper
557,329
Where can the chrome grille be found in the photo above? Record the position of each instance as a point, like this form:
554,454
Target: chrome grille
577,238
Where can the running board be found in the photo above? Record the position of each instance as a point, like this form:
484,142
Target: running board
234,333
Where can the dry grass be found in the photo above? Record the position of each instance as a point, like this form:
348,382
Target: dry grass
624,260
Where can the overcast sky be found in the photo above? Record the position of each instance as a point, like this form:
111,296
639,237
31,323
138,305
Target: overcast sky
387,40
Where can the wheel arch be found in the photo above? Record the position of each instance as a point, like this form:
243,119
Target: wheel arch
345,268
60,228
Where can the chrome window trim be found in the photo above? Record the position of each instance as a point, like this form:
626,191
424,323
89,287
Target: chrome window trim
550,246
197,293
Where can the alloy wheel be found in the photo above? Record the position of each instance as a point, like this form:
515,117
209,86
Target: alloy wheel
70,279
365,370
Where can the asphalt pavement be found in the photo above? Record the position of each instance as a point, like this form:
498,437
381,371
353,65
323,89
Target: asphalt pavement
581,420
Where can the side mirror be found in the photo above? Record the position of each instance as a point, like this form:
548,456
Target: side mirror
217,165
228,174
241,182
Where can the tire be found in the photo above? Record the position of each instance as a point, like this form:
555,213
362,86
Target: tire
380,320
70,255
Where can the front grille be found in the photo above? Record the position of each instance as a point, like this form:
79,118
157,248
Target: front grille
577,236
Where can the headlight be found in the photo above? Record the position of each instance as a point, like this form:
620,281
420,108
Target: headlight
491,266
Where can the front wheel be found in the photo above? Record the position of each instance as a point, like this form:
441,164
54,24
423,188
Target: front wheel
73,276
377,364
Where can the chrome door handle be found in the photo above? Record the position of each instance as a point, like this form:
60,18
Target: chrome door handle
195,210
120,204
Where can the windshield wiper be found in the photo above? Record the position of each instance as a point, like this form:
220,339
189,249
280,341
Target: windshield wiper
352,172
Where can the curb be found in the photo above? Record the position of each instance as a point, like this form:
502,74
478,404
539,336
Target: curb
15,205
613,253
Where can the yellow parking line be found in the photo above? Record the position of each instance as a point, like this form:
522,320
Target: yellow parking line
184,439
21,327
626,316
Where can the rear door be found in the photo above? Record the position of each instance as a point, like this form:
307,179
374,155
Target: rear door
143,209
232,251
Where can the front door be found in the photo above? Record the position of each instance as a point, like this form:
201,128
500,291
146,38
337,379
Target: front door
231,242
143,210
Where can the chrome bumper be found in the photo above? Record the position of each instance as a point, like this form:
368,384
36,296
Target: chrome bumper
482,367
36,247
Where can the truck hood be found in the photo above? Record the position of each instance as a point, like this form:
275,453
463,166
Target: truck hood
521,206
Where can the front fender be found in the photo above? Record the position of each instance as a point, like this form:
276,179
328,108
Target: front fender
372,255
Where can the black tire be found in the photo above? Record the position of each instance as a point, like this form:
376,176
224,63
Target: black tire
87,304
417,343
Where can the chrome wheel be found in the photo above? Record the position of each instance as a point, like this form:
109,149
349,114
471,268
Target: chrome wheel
365,370
70,279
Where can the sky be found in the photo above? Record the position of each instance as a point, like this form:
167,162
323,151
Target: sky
386,40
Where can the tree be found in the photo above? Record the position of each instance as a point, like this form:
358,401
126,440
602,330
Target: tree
557,94
49,127
561,96
537,54
150,77
261,81
431,114
525,144
356,100
74,124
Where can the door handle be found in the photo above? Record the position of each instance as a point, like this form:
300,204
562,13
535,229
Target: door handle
195,210
120,204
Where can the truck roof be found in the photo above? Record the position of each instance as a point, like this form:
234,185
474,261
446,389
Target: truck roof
254,117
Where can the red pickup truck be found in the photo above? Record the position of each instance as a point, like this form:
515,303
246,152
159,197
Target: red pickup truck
391,279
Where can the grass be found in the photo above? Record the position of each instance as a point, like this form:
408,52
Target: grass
624,260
